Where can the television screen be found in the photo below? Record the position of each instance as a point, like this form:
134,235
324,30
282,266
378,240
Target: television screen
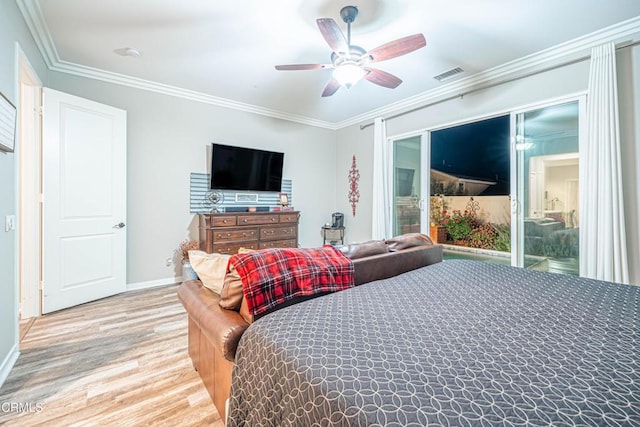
239,168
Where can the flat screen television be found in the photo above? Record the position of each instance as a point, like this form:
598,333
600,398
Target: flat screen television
248,169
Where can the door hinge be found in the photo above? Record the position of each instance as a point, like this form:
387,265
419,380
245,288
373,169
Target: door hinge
40,110
41,285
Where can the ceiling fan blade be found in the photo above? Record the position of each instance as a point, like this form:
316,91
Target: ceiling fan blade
332,34
382,78
397,48
303,66
331,88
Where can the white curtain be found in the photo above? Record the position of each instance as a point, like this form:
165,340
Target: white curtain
603,246
381,214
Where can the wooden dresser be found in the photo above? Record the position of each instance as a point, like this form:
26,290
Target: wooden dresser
225,233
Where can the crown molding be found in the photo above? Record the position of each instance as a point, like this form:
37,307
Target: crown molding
558,55
137,83
554,56
32,15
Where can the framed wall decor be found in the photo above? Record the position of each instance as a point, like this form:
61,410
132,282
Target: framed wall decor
7,124
284,199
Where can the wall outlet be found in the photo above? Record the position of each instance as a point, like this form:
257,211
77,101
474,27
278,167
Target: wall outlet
169,262
9,223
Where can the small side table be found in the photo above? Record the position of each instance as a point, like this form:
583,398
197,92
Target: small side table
334,235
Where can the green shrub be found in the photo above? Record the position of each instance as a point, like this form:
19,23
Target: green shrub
503,239
461,224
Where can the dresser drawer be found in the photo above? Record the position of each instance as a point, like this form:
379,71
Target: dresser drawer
224,221
289,217
233,249
235,235
269,233
225,233
258,219
279,244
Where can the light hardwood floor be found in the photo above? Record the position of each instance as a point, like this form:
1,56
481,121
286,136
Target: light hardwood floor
119,361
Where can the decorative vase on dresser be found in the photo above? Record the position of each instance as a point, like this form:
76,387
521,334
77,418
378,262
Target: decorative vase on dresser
187,271
225,233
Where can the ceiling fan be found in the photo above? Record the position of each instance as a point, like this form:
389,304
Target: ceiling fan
351,62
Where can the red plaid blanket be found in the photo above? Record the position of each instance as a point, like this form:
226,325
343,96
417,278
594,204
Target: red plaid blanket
273,276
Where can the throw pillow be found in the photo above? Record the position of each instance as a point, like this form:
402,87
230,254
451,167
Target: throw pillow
210,268
231,294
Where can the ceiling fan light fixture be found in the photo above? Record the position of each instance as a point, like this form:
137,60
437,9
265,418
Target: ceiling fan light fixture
350,63
348,74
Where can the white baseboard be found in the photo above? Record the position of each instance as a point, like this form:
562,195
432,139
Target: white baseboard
153,283
8,362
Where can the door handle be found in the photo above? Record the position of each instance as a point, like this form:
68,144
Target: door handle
515,207
119,225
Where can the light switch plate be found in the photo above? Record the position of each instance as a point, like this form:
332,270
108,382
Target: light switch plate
9,223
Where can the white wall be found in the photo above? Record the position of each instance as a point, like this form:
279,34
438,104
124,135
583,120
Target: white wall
168,139
12,30
359,143
568,80
493,209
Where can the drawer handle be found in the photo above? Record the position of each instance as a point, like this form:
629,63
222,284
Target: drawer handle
245,220
286,231
224,251
224,221
247,234
268,231
274,219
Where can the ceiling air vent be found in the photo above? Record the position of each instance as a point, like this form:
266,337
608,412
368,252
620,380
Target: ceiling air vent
448,74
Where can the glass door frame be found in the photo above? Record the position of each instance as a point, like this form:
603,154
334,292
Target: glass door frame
517,166
425,180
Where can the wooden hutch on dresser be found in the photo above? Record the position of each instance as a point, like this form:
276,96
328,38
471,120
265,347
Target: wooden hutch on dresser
225,233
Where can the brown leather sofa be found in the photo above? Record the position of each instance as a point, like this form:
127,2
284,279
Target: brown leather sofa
214,332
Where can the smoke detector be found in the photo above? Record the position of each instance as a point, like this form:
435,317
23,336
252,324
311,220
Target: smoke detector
128,51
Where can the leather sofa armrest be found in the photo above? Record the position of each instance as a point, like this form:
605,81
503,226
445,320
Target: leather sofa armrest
223,328
383,266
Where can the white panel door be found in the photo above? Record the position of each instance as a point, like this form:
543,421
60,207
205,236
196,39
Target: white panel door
84,200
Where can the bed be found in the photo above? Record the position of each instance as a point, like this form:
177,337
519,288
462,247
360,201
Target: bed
456,343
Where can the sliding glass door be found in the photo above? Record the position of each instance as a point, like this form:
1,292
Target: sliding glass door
409,182
520,198
546,210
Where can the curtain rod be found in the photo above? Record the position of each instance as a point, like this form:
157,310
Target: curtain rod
461,95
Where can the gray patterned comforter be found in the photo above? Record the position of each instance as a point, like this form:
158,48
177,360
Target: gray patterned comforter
457,343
